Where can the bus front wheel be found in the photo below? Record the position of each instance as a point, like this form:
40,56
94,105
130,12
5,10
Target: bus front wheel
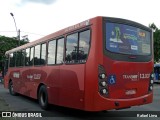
11,89
43,97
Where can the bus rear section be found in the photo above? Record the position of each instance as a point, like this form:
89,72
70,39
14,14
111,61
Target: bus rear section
125,72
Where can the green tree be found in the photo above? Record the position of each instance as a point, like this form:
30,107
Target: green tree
156,38
7,43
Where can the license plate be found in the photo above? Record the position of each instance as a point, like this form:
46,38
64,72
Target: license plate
130,92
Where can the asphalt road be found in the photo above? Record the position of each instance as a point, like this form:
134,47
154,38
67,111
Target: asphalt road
22,104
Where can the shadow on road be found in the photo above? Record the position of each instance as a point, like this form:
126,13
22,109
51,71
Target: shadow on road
59,111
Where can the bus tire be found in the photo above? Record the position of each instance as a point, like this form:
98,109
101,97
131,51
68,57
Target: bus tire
43,97
11,90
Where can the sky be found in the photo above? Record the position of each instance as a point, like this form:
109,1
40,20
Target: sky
37,18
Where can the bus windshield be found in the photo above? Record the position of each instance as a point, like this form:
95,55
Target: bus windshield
126,39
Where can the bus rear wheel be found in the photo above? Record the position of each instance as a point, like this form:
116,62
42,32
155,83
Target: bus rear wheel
43,97
11,89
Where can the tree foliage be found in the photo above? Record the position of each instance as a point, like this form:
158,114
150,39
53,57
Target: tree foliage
156,38
7,43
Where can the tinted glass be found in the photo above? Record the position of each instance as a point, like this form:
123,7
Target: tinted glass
27,56
18,58
12,59
43,54
22,57
71,48
51,52
37,55
6,65
60,50
84,41
31,56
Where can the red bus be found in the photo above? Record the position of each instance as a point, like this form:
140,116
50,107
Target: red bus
99,64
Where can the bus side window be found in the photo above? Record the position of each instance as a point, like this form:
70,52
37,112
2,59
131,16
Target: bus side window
84,44
71,48
31,56
6,64
27,57
43,54
23,57
18,58
37,55
12,57
77,47
51,52
60,50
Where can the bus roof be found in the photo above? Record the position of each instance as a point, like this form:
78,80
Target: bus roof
60,33
54,35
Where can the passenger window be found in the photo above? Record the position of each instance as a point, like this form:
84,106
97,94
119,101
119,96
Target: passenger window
71,48
23,52
27,57
43,54
84,44
51,52
31,56
6,65
77,47
37,55
12,57
18,58
60,50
